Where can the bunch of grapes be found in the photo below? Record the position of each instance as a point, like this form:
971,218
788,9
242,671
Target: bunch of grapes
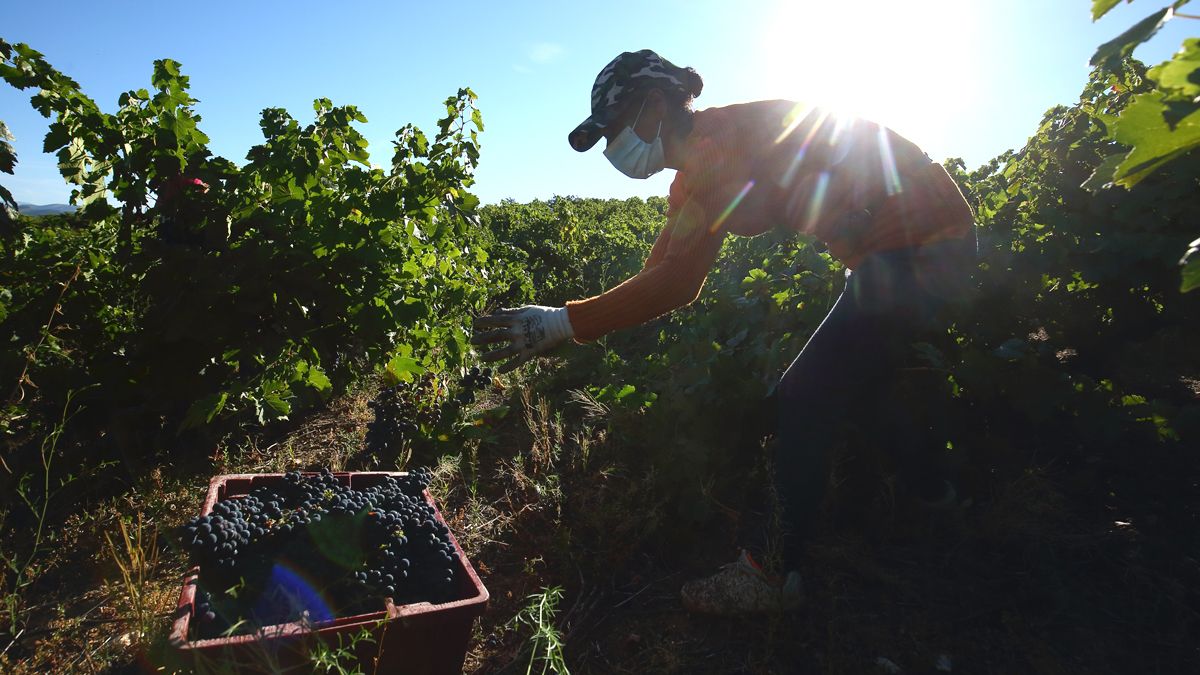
475,380
399,414
283,551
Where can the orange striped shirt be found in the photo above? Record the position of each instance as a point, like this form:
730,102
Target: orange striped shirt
748,168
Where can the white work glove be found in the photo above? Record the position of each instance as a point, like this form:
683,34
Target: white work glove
528,330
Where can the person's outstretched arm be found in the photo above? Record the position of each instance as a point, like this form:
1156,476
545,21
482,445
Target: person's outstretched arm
672,277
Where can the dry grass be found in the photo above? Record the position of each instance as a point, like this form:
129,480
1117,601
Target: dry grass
111,578
110,583
135,554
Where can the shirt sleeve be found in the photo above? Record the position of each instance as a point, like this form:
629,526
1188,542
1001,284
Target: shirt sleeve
659,249
673,276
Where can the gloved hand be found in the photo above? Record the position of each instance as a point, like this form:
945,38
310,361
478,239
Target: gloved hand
529,331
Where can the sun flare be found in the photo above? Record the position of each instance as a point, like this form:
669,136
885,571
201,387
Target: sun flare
904,64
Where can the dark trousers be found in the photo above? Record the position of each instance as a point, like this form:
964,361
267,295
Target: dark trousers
892,300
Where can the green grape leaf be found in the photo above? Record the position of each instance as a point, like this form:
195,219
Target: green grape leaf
274,403
1102,7
1191,267
1142,126
8,158
313,376
402,368
1180,76
1102,177
1110,53
204,410
624,391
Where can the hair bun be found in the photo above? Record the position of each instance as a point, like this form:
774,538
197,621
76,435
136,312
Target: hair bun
693,82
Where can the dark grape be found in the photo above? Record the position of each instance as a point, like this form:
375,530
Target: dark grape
403,415
406,553
474,380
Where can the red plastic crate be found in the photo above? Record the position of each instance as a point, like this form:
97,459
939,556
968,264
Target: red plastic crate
420,638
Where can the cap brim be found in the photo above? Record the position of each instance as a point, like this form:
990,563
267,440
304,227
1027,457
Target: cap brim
591,130
586,135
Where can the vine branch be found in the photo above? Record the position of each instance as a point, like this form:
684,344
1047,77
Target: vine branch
18,393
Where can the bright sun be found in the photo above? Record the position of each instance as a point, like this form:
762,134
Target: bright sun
903,64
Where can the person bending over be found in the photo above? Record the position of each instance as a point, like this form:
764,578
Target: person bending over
892,216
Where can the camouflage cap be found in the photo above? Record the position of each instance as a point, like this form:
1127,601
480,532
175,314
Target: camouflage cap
623,76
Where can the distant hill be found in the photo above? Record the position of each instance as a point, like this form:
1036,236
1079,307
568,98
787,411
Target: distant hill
44,209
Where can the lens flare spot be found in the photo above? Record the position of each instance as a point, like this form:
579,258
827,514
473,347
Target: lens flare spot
790,174
816,201
891,177
289,592
793,119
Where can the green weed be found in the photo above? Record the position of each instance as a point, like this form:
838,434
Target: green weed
546,643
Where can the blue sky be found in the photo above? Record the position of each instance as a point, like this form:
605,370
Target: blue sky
966,78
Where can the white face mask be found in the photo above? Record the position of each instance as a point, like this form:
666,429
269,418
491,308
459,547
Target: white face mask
634,157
